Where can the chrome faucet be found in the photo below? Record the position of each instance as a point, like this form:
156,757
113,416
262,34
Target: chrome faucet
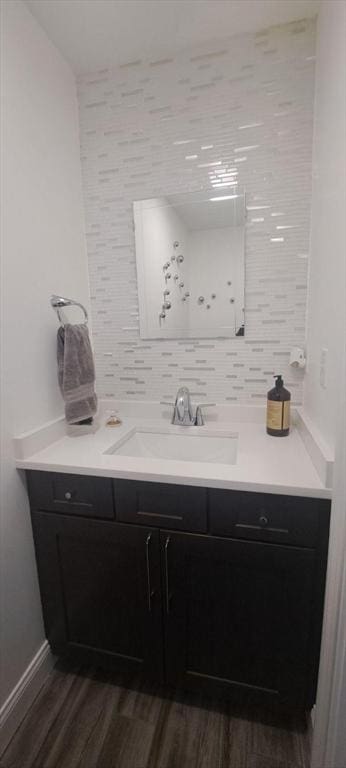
183,413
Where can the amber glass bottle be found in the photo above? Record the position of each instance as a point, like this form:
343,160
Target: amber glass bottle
278,409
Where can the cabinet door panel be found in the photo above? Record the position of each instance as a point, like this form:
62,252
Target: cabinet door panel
238,614
100,587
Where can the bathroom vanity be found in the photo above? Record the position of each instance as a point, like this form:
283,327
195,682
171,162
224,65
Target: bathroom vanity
205,588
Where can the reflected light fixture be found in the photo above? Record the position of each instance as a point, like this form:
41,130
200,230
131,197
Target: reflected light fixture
223,197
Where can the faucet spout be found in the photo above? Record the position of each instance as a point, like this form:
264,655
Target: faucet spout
183,409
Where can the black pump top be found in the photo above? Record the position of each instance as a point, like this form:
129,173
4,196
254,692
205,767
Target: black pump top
279,381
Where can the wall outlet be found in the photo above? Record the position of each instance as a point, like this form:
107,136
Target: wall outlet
323,367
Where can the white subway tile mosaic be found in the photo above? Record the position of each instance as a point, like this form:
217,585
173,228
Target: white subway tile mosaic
154,127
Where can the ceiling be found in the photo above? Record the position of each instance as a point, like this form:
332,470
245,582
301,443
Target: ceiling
97,34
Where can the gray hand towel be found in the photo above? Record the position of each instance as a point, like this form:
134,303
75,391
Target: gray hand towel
76,372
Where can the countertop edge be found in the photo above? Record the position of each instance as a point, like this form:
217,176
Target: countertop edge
236,485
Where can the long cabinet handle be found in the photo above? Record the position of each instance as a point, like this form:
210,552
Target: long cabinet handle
147,543
160,514
166,570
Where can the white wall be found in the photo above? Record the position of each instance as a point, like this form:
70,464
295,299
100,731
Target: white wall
43,252
327,278
327,327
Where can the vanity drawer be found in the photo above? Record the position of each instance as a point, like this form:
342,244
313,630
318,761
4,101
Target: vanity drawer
266,517
71,494
161,504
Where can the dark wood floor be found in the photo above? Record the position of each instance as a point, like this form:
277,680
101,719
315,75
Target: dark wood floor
85,718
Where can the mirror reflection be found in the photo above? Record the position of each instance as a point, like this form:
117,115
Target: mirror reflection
190,265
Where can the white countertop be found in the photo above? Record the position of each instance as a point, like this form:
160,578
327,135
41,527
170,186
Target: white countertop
264,464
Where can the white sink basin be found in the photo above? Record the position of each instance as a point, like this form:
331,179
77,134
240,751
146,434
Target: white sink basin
184,444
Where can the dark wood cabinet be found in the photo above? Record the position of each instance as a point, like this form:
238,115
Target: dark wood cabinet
71,494
161,504
236,603
100,587
238,615
292,520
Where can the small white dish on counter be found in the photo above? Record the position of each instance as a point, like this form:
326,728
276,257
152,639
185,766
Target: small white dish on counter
187,444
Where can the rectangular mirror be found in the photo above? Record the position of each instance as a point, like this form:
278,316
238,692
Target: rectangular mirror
190,265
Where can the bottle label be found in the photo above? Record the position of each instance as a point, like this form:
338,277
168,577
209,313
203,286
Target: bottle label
278,414
286,414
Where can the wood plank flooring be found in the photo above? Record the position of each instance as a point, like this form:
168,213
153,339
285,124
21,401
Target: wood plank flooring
87,718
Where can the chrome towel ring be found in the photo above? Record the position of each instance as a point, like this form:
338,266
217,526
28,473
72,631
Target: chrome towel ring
60,302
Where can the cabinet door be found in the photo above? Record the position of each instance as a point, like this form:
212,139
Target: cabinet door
100,589
237,615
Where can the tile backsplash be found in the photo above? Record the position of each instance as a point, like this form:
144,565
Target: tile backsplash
158,127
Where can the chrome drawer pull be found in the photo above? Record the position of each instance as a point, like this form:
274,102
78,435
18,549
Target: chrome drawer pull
166,569
68,495
150,593
263,520
160,514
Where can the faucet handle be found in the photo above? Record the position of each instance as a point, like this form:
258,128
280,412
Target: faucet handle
199,420
206,405
165,402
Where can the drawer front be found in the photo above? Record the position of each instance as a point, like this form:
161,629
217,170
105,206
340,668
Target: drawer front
161,504
71,494
266,517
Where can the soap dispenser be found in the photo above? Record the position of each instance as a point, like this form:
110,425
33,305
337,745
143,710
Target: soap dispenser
278,409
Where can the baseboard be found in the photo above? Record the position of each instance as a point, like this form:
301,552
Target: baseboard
22,696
